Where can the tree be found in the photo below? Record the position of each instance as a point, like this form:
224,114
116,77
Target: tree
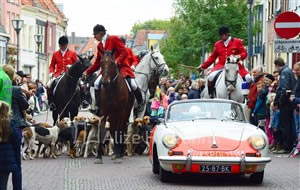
150,25
196,23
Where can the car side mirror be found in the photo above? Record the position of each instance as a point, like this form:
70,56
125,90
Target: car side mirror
160,120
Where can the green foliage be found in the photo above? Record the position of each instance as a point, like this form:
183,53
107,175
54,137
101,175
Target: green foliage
196,23
150,25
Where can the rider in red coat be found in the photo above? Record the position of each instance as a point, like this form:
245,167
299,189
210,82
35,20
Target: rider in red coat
110,43
58,66
132,59
224,48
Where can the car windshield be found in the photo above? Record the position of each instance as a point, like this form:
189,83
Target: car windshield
205,110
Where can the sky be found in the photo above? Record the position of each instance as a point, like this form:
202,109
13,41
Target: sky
117,16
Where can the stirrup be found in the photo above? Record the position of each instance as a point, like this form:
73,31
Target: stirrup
52,107
94,109
141,107
84,104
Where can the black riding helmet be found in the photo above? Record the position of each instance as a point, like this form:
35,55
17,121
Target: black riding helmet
99,28
63,40
223,30
123,39
142,53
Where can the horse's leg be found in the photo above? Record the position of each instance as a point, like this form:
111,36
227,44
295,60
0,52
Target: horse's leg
74,112
101,134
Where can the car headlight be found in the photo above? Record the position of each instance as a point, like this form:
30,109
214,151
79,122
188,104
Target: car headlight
258,142
170,141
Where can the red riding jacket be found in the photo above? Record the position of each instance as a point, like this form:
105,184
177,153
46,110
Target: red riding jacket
132,59
59,62
235,47
120,53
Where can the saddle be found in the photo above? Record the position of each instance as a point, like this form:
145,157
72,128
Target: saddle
55,83
216,78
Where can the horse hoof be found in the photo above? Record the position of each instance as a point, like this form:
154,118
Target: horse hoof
117,161
113,157
98,161
24,157
31,158
54,157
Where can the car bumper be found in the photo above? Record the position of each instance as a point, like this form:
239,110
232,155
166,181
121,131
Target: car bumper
188,160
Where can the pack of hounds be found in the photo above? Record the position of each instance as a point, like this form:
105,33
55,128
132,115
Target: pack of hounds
80,137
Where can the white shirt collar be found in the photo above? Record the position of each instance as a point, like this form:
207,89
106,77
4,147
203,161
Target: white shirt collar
227,41
63,52
104,39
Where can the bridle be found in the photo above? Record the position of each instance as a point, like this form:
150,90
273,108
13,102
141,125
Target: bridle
231,82
158,66
154,72
117,70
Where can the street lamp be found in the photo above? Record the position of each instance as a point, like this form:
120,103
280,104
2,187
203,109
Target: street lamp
250,6
38,39
17,24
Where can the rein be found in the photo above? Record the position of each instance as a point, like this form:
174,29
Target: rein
231,82
69,101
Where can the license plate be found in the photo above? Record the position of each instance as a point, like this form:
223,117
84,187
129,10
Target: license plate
215,168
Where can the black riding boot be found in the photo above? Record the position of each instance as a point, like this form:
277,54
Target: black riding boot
52,106
211,89
139,98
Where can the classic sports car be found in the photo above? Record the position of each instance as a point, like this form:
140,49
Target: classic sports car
207,136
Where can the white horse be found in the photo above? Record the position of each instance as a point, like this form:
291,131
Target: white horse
152,63
229,83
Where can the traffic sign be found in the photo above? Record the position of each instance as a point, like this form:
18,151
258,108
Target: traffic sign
286,46
287,25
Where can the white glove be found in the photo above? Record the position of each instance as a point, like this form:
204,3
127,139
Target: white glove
132,67
51,75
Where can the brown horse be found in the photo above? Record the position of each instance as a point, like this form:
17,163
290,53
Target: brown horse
116,104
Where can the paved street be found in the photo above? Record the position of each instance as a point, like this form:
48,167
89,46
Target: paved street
135,173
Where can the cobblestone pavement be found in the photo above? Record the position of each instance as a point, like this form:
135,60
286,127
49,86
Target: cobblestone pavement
135,173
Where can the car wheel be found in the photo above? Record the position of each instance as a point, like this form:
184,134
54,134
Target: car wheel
155,165
164,175
257,177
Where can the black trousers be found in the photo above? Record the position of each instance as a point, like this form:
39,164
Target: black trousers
286,125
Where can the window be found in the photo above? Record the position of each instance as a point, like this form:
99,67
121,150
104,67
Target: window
50,36
30,34
24,32
8,25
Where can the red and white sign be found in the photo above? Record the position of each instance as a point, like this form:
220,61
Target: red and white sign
287,25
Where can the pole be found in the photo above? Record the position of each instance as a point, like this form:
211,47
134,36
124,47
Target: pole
38,64
250,37
203,55
18,50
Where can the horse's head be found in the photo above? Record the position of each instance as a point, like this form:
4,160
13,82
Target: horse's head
158,63
80,66
231,73
109,69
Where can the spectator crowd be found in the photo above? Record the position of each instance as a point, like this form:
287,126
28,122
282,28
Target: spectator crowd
273,98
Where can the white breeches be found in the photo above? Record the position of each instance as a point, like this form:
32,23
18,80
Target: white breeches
97,82
49,83
132,81
213,74
133,84
248,78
